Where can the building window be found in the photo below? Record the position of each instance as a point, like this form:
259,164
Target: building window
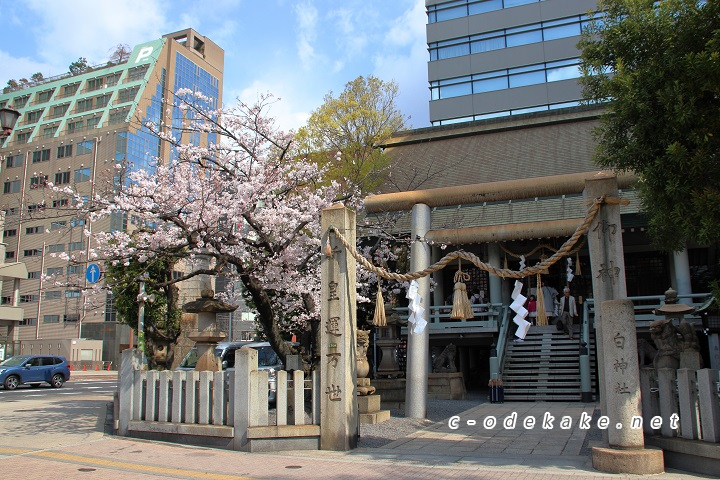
12,186
84,147
51,318
33,275
12,232
41,156
92,122
45,96
464,8
54,295
11,211
95,84
28,298
102,100
23,137
34,116
72,293
33,252
54,271
112,80
59,110
20,102
39,181
63,202
58,224
69,90
73,269
64,151
137,73
9,255
34,230
35,208
118,115
503,79
110,309
56,248
71,317
77,222
84,105
14,161
50,131
75,246
76,126
118,221
82,175
128,95
28,321
5,300
62,177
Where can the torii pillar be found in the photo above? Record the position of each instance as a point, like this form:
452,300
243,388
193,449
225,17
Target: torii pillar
606,260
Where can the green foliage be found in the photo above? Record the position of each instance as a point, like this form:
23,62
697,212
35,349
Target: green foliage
162,318
364,115
37,77
659,65
79,66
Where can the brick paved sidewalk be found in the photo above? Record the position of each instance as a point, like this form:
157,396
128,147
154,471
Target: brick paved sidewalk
438,452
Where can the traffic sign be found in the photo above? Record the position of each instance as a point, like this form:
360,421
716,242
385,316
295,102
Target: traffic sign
92,274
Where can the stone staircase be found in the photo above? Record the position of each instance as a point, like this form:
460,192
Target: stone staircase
546,366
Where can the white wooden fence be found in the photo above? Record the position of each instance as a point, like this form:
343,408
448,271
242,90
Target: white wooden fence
223,409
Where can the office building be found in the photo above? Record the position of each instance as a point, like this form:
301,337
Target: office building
493,58
85,130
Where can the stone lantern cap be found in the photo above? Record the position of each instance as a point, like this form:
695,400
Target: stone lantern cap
671,307
208,304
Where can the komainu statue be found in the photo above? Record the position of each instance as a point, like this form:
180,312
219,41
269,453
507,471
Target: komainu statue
445,362
667,340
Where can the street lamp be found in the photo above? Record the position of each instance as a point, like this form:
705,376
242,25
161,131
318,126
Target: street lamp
8,119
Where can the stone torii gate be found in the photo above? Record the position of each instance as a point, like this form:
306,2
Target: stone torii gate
608,267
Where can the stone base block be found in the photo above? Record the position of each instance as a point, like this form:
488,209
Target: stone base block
376,417
368,403
446,386
646,461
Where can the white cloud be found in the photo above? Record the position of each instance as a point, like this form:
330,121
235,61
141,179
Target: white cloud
407,65
307,17
17,68
290,110
100,26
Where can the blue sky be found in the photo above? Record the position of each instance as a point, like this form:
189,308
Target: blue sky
297,50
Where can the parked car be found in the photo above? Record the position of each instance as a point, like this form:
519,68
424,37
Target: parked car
267,360
34,370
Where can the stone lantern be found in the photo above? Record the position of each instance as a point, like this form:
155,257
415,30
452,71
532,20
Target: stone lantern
207,335
678,346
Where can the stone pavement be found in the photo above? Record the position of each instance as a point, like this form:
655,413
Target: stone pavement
438,452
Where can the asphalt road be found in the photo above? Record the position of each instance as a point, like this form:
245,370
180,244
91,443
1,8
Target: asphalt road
47,417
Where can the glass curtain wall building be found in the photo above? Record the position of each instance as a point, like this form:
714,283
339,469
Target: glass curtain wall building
493,58
75,129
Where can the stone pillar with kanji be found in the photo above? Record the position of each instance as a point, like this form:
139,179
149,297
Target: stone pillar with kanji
338,403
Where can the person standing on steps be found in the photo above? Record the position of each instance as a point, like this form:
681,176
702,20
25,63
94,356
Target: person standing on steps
532,310
568,313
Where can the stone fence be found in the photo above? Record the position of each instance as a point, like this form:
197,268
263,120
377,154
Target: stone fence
220,409
681,415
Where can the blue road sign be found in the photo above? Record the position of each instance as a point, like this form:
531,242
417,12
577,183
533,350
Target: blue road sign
92,274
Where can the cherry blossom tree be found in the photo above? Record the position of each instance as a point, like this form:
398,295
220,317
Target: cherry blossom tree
248,207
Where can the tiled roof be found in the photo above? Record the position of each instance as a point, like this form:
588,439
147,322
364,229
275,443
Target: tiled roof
505,149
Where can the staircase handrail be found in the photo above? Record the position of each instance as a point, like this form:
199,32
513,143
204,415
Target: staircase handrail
499,359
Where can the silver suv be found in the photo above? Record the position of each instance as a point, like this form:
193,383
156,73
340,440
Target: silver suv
267,360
